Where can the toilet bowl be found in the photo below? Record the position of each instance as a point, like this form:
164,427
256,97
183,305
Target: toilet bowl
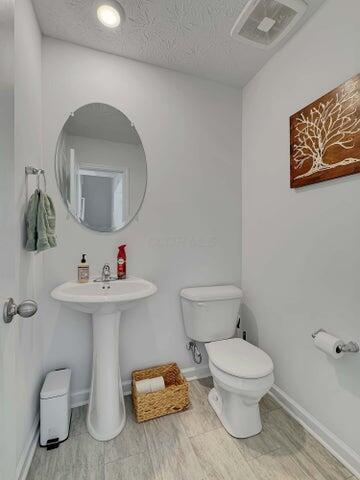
242,373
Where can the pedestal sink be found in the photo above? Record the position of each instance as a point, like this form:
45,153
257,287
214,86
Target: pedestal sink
105,301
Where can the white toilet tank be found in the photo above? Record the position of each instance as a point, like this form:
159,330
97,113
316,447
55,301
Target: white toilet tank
210,313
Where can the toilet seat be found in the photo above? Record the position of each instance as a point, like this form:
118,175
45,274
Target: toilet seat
239,358
243,386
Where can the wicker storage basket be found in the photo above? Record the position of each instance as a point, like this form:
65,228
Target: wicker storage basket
174,398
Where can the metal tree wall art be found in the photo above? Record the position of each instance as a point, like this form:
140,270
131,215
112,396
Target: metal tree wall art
325,136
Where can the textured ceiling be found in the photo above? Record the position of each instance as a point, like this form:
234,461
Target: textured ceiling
190,36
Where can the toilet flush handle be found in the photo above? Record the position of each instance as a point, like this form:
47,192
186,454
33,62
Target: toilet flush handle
200,304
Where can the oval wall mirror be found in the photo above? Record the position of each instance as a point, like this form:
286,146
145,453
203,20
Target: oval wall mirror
101,167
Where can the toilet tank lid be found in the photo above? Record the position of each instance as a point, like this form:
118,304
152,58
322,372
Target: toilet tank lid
57,383
217,292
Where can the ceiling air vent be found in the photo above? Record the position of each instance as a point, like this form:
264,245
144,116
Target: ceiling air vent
263,23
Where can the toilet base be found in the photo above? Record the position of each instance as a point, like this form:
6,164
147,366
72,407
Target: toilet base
236,401
248,419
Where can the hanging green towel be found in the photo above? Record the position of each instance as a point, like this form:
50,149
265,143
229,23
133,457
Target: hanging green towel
40,223
31,222
45,224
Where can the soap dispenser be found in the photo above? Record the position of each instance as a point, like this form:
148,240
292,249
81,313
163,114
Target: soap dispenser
83,270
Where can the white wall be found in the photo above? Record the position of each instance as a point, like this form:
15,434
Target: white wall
189,228
28,266
301,256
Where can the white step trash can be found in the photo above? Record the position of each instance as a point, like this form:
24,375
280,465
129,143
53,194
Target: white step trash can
55,410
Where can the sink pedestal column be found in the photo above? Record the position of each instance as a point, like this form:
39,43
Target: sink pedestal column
106,413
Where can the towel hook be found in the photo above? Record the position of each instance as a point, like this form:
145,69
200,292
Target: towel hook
41,172
29,170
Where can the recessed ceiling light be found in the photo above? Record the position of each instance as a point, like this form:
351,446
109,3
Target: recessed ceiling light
109,15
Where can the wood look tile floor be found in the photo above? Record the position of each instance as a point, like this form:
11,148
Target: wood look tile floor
190,445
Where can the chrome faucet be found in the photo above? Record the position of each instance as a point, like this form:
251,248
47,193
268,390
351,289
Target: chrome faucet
105,275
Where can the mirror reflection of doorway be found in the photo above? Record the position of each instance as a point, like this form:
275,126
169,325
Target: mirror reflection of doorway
103,197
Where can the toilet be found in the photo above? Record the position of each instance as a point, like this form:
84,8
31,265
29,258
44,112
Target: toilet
242,373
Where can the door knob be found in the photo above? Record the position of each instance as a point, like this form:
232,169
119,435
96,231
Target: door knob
25,309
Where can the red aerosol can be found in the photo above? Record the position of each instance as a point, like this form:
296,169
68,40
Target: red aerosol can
121,262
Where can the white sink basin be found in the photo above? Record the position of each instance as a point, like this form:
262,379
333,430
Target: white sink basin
105,301
103,297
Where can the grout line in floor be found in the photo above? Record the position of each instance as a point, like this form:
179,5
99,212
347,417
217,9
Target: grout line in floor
128,456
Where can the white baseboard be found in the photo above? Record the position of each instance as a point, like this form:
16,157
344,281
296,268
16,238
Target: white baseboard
81,397
26,457
329,440
195,373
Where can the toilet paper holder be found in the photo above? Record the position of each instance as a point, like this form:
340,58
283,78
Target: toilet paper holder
350,347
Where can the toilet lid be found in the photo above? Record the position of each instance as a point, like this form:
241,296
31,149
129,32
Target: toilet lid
240,358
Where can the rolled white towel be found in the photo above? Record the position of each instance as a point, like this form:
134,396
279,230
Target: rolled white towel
157,384
143,386
149,385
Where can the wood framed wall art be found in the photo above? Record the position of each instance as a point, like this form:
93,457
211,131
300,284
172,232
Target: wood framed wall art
325,136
